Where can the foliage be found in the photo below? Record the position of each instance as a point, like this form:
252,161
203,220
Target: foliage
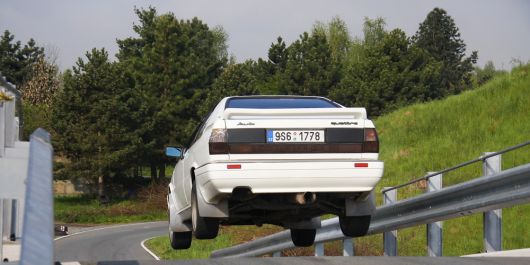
392,73
173,63
200,249
37,116
88,210
440,37
485,74
16,60
92,119
42,83
235,80
338,37
309,69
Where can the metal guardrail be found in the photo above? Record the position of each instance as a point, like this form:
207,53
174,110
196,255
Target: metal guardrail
480,159
13,165
37,239
496,189
12,89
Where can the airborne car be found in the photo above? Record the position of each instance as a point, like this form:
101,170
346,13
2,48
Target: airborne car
282,160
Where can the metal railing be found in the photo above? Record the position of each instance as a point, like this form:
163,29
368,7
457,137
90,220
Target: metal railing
494,190
37,239
13,165
467,163
12,89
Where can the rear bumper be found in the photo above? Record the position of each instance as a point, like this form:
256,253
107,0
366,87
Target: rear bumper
217,182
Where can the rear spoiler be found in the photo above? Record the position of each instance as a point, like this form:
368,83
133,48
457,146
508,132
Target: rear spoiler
336,113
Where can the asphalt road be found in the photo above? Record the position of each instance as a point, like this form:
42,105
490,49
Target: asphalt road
121,242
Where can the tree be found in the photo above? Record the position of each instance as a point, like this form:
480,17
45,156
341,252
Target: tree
392,74
374,31
42,82
38,93
483,75
338,37
440,37
236,80
16,60
303,68
93,120
173,64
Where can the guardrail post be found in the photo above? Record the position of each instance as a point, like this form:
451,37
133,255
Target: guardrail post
37,237
390,238
492,219
9,121
319,250
14,213
277,254
347,247
434,230
1,230
2,128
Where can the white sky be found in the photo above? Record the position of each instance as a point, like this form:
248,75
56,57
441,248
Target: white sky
499,30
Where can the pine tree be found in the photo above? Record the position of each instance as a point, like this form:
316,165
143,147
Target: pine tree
92,118
173,64
16,60
440,37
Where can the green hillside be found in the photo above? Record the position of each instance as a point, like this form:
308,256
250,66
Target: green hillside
436,135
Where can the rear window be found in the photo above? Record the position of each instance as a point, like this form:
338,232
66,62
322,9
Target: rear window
279,103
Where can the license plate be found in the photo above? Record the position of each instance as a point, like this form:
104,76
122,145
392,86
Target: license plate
295,136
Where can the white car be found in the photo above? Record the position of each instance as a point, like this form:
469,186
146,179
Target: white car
282,160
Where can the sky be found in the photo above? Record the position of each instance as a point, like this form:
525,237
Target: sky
498,30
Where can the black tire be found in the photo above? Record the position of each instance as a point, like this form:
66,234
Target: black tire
303,237
354,226
180,240
203,227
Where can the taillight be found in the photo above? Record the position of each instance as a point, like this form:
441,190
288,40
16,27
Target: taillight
360,164
233,166
371,143
218,143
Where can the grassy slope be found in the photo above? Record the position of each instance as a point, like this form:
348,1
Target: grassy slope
436,135
432,136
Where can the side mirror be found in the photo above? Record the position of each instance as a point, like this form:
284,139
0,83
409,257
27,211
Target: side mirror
173,152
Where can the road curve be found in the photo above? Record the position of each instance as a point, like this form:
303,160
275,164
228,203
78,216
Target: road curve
112,243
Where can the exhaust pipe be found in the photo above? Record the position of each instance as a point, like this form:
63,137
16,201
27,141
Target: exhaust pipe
304,198
242,194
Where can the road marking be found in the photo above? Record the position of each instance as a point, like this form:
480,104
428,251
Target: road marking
149,251
102,228
70,263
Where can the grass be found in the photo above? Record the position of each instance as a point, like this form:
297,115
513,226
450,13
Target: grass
436,135
84,210
200,249
150,205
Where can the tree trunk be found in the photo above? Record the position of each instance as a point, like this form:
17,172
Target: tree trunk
153,172
101,188
162,171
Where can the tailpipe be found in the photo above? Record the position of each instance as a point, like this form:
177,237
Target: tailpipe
242,194
303,198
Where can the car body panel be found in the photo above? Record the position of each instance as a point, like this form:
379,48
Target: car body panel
217,182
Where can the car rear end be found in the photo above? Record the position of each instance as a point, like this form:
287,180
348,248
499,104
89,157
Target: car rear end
276,148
